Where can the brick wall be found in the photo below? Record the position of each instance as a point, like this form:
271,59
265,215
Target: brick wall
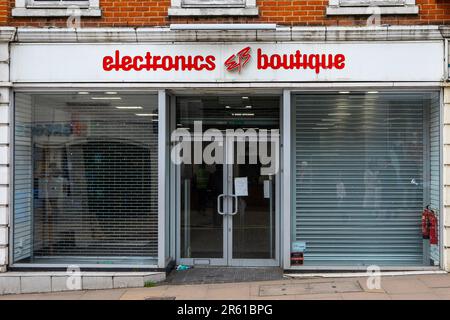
123,13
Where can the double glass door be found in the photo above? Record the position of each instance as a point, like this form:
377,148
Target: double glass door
227,197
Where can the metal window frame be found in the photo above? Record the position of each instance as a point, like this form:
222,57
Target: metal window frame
288,141
37,89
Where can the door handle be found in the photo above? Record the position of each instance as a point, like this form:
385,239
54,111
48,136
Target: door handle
235,204
219,198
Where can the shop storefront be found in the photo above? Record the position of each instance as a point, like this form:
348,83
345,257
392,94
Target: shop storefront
300,154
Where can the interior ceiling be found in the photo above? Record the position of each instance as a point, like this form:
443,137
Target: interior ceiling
226,91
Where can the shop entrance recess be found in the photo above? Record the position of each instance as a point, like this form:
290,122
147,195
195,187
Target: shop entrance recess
226,155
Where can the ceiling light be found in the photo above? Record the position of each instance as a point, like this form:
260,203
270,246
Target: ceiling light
147,114
110,92
340,114
106,98
246,98
128,107
248,107
83,92
243,114
344,92
372,91
227,107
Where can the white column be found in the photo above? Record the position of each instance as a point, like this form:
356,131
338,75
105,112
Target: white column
162,177
4,154
286,190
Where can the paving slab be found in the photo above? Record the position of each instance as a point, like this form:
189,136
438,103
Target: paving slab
196,292
143,293
319,296
114,294
72,295
436,281
230,292
415,296
364,285
365,296
310,288
404,286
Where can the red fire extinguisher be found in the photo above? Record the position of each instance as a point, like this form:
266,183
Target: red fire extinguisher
426,223
433,225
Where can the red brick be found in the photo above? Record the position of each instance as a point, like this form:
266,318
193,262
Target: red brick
283,12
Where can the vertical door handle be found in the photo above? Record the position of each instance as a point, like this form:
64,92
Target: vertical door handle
219,200
235,210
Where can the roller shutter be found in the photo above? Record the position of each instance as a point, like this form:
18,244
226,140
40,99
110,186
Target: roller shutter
359,177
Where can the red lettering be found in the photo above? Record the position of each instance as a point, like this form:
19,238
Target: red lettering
117,64
262,60
197,61
340,61
166,63
316,62
107,61
127,63
137,63
210,63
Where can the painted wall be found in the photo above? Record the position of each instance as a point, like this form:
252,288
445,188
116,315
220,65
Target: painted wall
4,154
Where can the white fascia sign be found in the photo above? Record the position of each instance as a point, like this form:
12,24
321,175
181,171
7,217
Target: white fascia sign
252,62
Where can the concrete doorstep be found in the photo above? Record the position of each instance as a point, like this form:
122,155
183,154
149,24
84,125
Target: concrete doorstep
42,282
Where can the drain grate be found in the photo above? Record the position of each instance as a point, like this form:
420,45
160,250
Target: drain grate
309,288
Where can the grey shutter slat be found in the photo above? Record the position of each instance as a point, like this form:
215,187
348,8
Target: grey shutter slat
359,169
92,191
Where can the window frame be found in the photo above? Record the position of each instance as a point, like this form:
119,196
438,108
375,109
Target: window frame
368,7
213,8
60,8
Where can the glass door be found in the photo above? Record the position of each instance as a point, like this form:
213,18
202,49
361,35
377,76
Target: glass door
226,175
253,221
203,224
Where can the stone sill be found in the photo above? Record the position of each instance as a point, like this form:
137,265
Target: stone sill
54,12
344,11
183,12
37,282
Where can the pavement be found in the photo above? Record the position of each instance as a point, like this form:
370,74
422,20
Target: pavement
417,287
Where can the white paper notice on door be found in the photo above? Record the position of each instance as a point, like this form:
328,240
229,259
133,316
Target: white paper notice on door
241,187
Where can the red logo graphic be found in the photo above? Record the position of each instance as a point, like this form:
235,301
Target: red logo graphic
239,60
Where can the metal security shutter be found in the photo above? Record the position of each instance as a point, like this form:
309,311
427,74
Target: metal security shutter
23,188
90,194
359,171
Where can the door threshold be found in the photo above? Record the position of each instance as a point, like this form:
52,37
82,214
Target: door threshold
361,274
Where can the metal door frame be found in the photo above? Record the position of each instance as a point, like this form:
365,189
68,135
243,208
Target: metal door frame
227,259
